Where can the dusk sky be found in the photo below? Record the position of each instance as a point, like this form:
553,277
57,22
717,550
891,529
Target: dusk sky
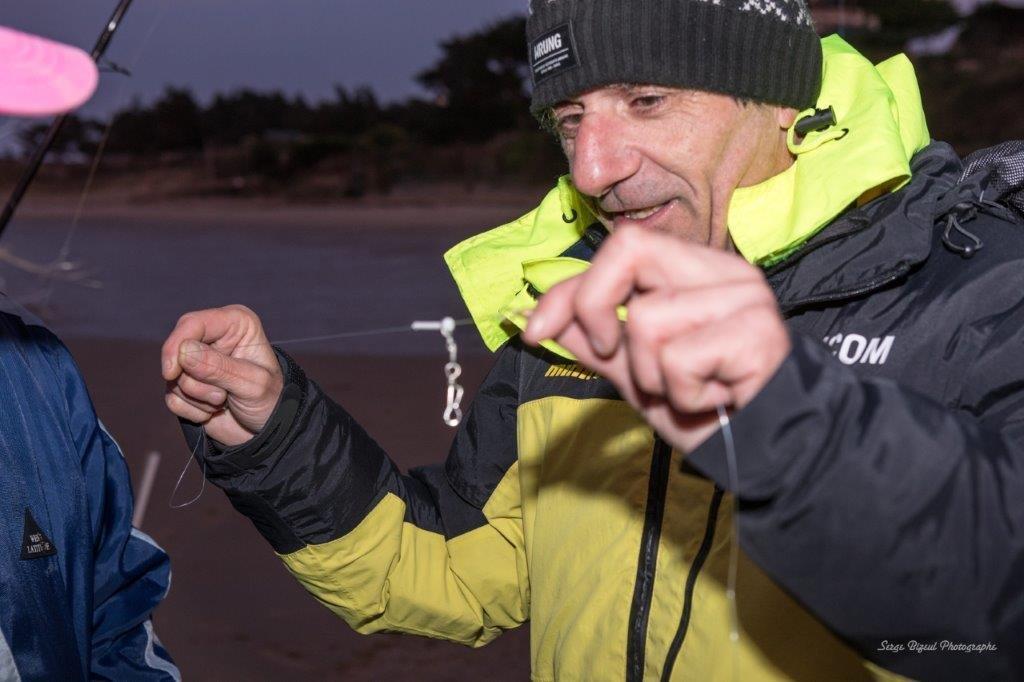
298,46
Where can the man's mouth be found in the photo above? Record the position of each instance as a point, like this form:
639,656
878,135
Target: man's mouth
638,214
643,213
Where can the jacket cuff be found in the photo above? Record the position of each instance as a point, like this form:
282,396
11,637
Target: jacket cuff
789,417
233,468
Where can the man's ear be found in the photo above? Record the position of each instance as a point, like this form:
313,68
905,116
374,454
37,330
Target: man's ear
785,117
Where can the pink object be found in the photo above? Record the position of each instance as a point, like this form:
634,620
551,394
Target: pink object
39,77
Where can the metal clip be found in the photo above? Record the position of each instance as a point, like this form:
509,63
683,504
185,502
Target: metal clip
453,370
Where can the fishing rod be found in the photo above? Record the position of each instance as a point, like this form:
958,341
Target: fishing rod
58,124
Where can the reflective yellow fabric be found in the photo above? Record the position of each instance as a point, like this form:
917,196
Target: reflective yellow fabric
488,267
541,274
880,127
544,273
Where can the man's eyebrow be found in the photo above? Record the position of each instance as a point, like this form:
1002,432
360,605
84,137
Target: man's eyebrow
624,88
566,103
576,102
633,87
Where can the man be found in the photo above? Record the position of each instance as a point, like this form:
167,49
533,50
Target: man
77,582
879,474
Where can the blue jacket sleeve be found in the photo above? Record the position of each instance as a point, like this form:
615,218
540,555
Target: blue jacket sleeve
131,573
890,516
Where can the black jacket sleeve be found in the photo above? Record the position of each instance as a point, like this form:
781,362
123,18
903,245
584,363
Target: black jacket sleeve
431,552
891,517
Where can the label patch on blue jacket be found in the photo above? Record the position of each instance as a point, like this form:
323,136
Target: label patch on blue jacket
553,53
34,543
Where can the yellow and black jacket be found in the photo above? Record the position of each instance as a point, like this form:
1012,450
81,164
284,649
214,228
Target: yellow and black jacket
880,471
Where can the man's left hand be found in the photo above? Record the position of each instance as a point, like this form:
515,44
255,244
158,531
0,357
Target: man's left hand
703,329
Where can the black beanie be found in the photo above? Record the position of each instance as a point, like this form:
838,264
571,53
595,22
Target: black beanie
761,50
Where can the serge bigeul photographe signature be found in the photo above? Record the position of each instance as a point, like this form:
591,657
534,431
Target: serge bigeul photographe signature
939,645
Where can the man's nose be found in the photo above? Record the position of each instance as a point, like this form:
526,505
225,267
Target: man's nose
602,156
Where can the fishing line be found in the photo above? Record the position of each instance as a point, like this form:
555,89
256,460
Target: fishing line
452,414
734,547
201,441
352,335
60,262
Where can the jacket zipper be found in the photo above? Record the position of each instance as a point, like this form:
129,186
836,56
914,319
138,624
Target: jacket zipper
691,581
640,611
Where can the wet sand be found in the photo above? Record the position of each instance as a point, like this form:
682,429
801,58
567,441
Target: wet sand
233,612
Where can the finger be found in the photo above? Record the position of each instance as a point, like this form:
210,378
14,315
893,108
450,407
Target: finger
657,317
726,362
180,408
202,392
659,260
241,378
635,260
685,431
224,328
198,404
192,326
615,369
553,314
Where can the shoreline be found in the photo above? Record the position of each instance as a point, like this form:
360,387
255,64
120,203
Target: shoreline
261,211
42,201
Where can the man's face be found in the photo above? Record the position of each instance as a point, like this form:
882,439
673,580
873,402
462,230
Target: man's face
667,159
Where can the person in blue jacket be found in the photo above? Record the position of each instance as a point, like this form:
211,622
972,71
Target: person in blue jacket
78,584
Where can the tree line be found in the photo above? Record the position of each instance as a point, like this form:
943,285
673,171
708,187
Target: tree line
478,92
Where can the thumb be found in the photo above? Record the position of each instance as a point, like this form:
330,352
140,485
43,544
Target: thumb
240,378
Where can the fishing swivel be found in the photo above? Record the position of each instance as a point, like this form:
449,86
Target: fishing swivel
453,370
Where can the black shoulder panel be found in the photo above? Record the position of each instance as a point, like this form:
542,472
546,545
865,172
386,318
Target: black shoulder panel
485,446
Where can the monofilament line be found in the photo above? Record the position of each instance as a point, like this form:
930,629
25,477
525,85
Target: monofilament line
174,493
734,546
345,335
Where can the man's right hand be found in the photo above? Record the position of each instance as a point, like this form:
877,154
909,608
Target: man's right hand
221,372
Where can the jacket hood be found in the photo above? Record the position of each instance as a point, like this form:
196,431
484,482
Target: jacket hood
880,126
488,268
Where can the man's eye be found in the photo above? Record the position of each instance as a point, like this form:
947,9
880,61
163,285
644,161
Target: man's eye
568,124
648,101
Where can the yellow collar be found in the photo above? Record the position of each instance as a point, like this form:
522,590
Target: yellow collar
881,125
